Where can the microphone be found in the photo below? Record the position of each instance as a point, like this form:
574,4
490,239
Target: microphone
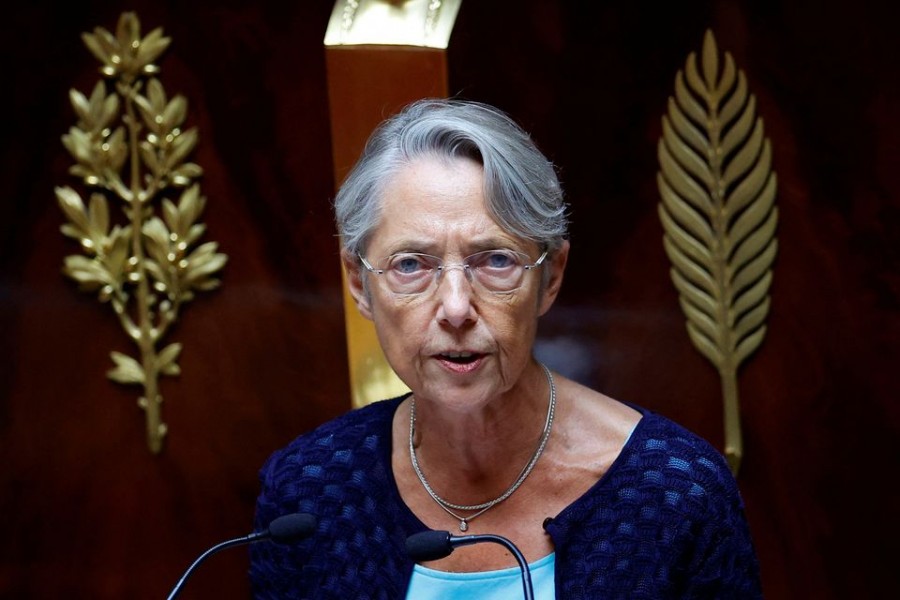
432,545
284,529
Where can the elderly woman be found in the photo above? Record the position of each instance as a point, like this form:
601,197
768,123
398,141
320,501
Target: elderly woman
453,228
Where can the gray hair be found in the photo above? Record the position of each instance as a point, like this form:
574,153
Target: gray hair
521,188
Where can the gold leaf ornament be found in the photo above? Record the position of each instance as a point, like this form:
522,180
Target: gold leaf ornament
130,150
718,212
126,55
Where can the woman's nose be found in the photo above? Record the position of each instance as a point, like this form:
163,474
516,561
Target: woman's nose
455,294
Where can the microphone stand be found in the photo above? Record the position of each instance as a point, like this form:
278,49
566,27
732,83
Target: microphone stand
284,529
432,545
247,539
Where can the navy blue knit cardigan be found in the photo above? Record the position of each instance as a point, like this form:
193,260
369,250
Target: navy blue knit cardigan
666,520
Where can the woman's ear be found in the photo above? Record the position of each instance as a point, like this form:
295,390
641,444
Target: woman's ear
556,266
356,285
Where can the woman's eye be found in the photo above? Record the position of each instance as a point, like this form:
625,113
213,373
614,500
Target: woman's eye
407,264
498,260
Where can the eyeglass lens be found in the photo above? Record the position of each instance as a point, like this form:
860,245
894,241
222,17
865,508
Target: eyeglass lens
498,270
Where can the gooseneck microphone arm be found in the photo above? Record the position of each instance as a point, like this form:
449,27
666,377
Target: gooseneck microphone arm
248,539
432,545
288,528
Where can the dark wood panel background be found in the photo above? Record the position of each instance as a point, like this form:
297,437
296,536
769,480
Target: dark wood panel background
87,512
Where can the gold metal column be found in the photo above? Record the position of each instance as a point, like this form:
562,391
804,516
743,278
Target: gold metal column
380,55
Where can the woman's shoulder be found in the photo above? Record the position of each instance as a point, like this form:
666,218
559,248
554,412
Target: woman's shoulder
353,439
668,457
340,472
665,472
644,441
660,441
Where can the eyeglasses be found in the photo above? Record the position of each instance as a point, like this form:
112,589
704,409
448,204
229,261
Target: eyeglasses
411,273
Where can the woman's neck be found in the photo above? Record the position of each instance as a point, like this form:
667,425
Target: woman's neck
486,447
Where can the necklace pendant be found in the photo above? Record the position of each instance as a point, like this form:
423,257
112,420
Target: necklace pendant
463,526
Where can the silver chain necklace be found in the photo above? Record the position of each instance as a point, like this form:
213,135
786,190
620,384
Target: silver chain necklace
484,506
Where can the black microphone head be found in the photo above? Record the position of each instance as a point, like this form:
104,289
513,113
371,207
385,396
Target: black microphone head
292,528
429,545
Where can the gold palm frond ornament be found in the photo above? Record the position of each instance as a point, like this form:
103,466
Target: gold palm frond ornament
129,148
718,212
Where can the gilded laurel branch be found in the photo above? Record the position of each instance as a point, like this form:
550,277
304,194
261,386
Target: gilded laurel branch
719,216
129,148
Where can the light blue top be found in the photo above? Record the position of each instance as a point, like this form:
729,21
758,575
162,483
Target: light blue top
503,584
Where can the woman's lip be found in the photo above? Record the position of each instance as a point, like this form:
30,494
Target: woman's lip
458,353
460,367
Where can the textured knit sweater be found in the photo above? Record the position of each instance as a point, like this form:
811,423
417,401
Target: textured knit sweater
666,520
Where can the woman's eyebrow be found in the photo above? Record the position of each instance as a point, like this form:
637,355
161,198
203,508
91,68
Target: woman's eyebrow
410,245
471,246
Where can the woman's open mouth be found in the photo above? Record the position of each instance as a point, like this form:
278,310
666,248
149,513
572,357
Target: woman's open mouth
460,362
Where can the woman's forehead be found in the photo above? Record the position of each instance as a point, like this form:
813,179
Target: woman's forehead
436,179
437,204
430,197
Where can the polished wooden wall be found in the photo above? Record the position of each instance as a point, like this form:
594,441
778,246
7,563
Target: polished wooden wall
87,512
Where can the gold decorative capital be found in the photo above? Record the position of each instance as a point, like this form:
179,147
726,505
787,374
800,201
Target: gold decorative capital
425,23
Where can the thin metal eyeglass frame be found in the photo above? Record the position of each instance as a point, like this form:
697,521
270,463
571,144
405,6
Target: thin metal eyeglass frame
470,276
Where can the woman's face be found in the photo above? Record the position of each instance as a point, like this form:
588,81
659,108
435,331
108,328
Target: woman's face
455,342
